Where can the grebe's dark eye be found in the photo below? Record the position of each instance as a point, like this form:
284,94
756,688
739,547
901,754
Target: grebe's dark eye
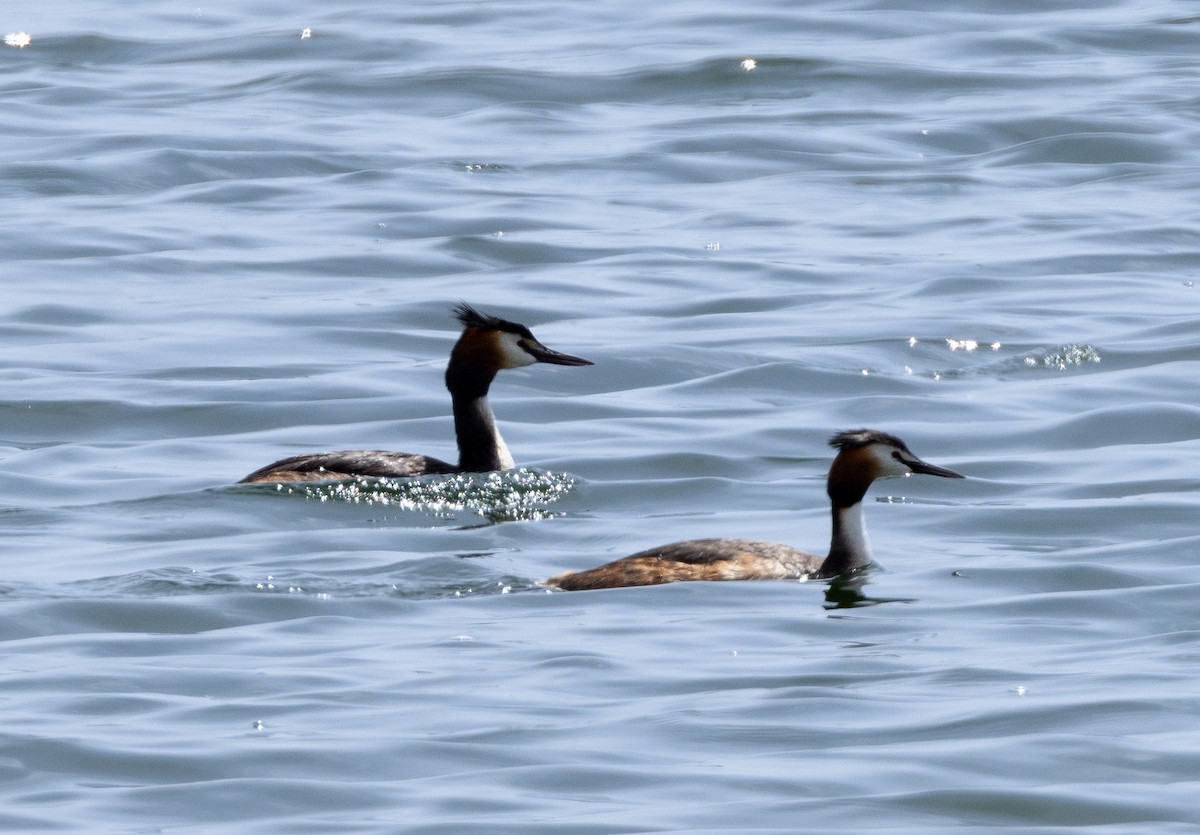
896,455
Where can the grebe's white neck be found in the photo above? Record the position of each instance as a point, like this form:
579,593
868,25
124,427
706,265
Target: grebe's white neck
849,548
480,447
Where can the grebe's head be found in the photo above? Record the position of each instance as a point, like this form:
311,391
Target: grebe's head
867,454
883,455
491,341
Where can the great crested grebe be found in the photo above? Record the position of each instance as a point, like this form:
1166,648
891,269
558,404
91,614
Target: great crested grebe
487,345
863,456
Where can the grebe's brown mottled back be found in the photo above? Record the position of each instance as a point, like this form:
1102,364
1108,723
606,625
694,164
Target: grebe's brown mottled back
863,456
488,344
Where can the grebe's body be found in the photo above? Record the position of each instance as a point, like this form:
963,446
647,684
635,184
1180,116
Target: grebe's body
488,344
863,456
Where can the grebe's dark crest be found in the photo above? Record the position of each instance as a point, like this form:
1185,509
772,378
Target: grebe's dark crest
863,456
488,344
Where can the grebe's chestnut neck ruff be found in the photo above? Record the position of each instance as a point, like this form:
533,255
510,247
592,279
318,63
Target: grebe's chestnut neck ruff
863,456
488,345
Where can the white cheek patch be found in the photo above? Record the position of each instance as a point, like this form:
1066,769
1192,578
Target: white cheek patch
512,355
887,463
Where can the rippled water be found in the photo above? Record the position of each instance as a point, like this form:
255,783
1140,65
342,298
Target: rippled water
228,240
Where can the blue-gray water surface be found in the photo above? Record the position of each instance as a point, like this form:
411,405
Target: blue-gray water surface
229,236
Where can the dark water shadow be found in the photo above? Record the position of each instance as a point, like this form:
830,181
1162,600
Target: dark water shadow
847,593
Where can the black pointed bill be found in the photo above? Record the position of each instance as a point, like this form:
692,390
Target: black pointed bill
543,354
919,466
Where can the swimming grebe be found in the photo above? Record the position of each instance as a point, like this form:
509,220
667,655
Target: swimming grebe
487,345
863,456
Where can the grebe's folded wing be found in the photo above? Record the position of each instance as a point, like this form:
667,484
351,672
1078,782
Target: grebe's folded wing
351,463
